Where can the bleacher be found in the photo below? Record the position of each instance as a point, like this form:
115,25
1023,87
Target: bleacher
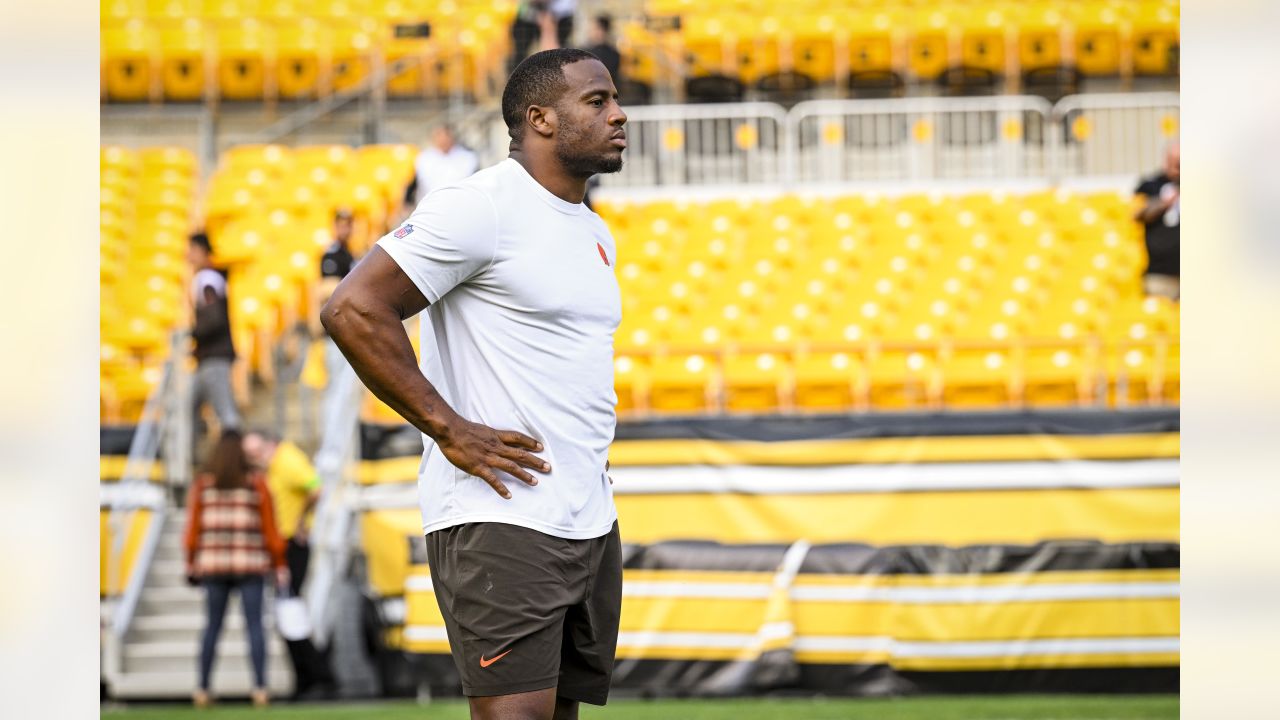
196,50
193,50
146,201
868,302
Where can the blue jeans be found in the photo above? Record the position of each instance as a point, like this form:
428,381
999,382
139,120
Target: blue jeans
217,594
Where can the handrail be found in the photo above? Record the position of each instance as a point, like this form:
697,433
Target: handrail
135,491
333,513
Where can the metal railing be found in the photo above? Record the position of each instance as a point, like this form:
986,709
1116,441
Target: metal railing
158,426
896,140
1100,135
704,145
918,139
332,525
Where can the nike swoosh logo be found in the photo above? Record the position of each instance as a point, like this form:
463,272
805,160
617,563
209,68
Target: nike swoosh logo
486,663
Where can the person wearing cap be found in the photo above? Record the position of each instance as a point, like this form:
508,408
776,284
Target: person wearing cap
334,265
211,330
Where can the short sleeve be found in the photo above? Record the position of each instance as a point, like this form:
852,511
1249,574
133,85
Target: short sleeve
451,237
1149,187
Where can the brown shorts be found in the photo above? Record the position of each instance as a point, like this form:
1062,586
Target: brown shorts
528,611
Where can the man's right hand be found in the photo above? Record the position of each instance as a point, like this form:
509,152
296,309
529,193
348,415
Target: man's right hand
479,450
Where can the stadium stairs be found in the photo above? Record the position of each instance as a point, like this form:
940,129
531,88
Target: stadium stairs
159,659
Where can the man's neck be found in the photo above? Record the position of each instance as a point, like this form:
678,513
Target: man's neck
551,176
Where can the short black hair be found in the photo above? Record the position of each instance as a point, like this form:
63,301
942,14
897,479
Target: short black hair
537,80
201,241
605,22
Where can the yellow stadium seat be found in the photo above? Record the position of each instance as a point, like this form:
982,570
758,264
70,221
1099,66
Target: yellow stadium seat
828,381
171,9
183,65
1168,375
756,382
302,51
983,39
353,47
871,41
168,158
928,44
283,9
900,379
630,382
1155,39
243,54
1057,375
707,50
1130,369
813,52
756,44
1097,38
1040,31
129,61
682,383
979,379
230,9
119,11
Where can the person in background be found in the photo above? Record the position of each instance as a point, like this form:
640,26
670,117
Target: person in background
231,544
441,163
334,266
211,331
1160,213
295,490
600,43
546,24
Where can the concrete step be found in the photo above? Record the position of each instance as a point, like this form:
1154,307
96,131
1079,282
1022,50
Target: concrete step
170,551
170,568
178,684
233,621
232,656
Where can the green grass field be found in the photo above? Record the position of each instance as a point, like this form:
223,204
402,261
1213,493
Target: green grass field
1018,707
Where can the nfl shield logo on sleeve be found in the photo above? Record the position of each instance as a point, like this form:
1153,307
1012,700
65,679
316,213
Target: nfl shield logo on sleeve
403,231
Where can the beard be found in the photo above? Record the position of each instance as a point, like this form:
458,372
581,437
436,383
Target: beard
579,162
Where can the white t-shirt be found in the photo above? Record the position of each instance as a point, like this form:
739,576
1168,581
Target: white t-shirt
436,169
518,336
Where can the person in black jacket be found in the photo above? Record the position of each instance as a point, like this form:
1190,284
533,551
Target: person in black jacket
1160,212
211,331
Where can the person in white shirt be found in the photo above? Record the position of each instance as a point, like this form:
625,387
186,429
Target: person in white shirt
441,163
514,395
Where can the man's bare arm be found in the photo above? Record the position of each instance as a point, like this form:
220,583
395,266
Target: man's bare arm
365,317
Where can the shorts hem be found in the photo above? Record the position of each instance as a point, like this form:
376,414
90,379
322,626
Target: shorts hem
590,697
509,688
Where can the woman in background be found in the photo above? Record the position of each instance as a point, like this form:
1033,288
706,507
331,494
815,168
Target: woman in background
232,544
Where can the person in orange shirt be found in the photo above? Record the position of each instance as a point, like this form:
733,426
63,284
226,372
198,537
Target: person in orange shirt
231,544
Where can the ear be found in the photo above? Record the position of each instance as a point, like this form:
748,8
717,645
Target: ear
542,119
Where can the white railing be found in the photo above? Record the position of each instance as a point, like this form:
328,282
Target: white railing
703,145
1102,135
998,138
331,529
918,139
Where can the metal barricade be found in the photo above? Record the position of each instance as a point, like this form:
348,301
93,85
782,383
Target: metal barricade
836,141
716,144
1112,135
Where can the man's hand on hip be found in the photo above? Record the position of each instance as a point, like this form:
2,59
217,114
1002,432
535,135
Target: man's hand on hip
479,450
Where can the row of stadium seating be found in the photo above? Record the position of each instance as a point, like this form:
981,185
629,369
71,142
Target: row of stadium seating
184,51
269,214
859,301
799,302
752,40
146,201
187,50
